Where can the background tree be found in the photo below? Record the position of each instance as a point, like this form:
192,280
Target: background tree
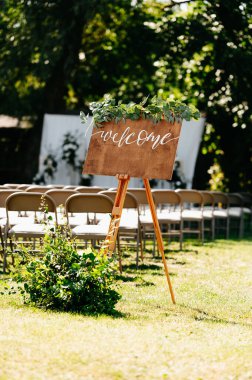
206,59
56,56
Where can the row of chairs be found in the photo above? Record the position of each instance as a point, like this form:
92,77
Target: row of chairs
44,189
179,212
215,204
205,207
25,216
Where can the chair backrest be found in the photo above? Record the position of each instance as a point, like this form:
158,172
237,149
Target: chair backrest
94,203
140,195
190,197
247,199
37,189
70,187
235,199
130,199
89,189
23,201
60,195
208,198
23,187
162,197
220,199
11,185
4,194
55,186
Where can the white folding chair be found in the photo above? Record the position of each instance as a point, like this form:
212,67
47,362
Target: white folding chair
192,212
129,228
90,203
169,213
31,228
221,212
208,213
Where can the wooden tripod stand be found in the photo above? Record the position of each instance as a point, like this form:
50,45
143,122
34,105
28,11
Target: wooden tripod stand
109,243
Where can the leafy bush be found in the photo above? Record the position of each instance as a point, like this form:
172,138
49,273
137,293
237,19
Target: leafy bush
68,280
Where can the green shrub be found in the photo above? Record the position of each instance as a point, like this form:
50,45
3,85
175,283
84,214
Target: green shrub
65,279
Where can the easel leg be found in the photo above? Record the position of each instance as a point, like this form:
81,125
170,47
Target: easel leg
110,241
158,233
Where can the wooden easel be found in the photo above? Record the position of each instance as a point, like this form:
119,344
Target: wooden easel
109,244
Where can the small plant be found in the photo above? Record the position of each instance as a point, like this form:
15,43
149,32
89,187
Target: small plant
154,109
66,279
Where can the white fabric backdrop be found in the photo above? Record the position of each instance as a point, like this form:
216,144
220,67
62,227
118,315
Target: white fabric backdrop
56,126
188,147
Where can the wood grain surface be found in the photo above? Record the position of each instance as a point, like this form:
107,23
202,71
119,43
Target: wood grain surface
137,148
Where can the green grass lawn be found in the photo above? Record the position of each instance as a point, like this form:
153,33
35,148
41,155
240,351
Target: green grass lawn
206,335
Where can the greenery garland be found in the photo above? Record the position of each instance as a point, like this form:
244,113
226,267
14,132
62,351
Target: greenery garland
154,109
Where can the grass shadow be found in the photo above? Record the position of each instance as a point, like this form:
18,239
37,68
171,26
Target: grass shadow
143,283
184,250
175,260
202,315
180,262
115,314
152,269
125,278
142,267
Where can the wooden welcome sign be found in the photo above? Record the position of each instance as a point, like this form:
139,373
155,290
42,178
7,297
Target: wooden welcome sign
137,148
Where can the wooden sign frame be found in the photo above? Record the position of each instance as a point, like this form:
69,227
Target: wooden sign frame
139,148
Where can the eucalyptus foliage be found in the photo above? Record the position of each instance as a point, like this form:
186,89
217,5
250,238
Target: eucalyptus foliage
154,109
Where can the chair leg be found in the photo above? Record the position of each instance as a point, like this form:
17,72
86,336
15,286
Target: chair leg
250,222
154,245
4,261
228,227
213,228
119,252
143,237
180,237
202,226
141,243
4,246
241,226
137,251
12,252
2,239
182,231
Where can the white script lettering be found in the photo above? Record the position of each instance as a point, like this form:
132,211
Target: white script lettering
128,137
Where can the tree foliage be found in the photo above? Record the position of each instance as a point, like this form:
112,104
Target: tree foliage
212,41
58,55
